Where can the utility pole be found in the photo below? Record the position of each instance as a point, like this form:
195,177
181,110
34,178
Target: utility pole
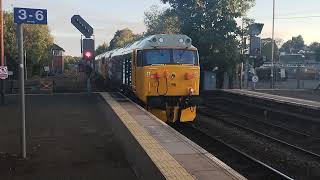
272,55
23,102
2,63
25,65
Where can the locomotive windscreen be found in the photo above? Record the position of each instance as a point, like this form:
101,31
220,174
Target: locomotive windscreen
170,56
184,57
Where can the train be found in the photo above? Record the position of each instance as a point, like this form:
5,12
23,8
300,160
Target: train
162,71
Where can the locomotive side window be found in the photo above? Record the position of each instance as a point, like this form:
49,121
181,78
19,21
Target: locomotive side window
139,58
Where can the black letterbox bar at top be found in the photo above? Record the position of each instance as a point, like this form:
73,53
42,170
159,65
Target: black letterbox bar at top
82,26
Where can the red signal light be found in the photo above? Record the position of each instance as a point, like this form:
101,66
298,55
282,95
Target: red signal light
87,55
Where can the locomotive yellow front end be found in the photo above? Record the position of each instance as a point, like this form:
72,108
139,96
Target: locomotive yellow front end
168,77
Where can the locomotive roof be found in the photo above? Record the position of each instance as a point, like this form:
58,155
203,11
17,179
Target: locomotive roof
150,42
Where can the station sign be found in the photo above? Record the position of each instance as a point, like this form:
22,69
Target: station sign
4,72
30,16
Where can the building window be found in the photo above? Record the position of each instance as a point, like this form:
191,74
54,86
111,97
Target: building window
56,53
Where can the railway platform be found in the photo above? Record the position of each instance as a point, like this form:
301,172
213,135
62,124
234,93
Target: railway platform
67,138
277,98
304,103
157,151
99,136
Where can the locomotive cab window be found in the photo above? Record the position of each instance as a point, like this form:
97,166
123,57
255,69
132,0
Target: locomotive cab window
185,57
170,56
157,56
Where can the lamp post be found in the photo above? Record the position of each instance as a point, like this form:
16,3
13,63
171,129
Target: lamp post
272,54
2,63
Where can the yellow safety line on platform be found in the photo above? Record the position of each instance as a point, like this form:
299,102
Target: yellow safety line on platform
168,166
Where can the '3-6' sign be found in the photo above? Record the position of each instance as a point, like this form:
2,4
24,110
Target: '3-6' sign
30,16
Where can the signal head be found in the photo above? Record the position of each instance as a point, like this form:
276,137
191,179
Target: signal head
87,55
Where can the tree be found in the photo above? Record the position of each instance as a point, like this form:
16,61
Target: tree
294,45
315,47
121,38
266,49
10,45
37,44
68,60
102,48
212,26
161,21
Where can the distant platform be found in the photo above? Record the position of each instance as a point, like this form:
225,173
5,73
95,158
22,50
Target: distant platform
306,94
269,95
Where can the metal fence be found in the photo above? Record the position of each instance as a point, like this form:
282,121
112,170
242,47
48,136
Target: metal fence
294,76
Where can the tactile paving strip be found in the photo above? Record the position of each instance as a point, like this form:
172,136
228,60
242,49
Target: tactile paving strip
168,166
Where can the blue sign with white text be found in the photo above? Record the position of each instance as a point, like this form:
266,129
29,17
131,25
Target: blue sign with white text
30,16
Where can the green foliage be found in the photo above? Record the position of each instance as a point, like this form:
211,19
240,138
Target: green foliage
102,48
315,47
10,41
212,26
121,38
37,44
294,45
70,60
161,21
266,49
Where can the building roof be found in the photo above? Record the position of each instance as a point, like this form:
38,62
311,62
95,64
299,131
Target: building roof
56,47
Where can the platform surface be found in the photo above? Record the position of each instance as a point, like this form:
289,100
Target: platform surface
277,98
68,138
175,155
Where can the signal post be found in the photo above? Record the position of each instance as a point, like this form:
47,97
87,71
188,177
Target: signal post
87,46
3,68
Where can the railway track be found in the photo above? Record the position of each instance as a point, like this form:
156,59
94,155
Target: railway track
297,141
294,121
290,159
297,138
247,165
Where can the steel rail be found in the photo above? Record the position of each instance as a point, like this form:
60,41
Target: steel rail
247,156
269,124
261,134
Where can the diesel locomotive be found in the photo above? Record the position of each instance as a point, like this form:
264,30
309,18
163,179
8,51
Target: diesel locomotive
162,71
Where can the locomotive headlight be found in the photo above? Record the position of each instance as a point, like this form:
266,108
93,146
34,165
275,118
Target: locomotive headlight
161,40
148,74
181,40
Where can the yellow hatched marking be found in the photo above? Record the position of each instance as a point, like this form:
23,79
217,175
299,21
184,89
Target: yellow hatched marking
168,166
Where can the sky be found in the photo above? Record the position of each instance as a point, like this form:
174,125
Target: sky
294,17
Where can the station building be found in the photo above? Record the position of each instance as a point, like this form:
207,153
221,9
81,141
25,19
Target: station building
57,62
